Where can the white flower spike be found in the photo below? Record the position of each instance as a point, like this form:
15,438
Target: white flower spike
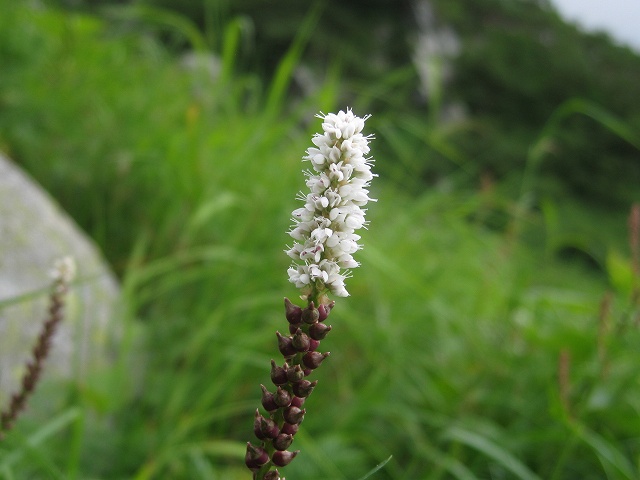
324,228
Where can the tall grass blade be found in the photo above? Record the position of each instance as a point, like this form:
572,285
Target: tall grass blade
36,439
571,107
215,14
230,48
377,467
216,449
491,450
162,18
612,459
291,59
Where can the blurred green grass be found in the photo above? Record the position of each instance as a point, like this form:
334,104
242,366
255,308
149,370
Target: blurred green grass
447,356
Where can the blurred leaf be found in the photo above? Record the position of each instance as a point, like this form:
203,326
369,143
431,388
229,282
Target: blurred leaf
29,446
164,18
491,450
614,461
620,272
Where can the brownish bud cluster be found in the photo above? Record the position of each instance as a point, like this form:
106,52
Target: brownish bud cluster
284,405
34,366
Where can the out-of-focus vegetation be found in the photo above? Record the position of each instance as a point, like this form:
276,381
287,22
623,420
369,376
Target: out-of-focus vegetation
493,325
513,64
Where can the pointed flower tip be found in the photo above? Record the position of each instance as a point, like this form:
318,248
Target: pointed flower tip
293,415
255,457
268,401
324,310
303,388
285,345
300,341
310,314
283,458
273,475
278,374
282,441
313,360
292,312
318,331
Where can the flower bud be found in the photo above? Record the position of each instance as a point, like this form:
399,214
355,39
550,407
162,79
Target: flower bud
282,397
324,310
278,374
300,341
318,331
272,475
292,312
266,428
293,415
282,441
256,426
256,456
304,388
293,327
313,345
283,458
289,428
314,359
285,346
267,400
297,401
310,314
295,374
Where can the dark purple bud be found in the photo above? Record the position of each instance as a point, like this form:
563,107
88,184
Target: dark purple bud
285,346
300,341
256,426
314,359
297,401
313,344
278,374
293,415
289,428
268,428
255,456
310,314
318,331
282,441
304,388
292,312
267,400
283,458
282,398
295,374
293,327
324,310
272,475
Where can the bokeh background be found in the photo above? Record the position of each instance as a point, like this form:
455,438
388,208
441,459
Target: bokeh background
492,329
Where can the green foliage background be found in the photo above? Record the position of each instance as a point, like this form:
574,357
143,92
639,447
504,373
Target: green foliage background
492,246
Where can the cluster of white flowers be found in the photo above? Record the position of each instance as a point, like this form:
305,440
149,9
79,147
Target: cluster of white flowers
325,227
64,270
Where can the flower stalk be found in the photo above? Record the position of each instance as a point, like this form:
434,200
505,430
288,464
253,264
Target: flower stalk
62,273
322,253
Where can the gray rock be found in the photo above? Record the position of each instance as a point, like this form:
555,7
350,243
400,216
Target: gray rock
34,232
